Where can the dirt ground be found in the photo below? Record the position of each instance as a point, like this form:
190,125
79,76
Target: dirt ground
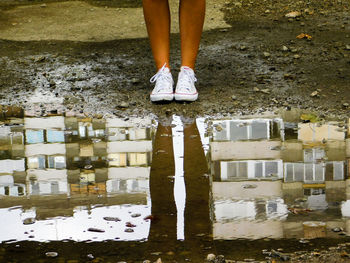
250,58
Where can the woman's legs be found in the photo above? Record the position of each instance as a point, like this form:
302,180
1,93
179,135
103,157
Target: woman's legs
157,17
191,15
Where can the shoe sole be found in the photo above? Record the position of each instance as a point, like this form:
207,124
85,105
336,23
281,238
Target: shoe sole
162,97
183,97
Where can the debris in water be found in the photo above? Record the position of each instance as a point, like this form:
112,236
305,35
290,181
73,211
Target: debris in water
97,230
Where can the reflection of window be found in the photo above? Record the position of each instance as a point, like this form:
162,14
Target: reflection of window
236,130
117,159
312,155
55,136
137,159
37,162
338,171
117,134
251,169
138,134
57,162
304,172
34,136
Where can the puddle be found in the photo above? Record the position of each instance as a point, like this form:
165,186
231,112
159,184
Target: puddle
180,188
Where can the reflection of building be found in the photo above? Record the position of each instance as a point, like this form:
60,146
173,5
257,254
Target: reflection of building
60,163
248,157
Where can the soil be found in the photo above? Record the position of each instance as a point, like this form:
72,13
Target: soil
255,64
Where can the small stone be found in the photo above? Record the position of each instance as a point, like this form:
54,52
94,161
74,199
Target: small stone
135,215
337,229
211,257
51,254
135,80
346,105
123,104
90,256
314,94
129,224
220,259
243,48
296,56
266,54
146,261
43,5
347,47
29,221
256,89
109,218
267,11
266,91
129,230
233,97
293,14
156,253
249,260
159,260
304,241
285,48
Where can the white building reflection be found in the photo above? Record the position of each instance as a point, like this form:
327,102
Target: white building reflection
63,166
261,166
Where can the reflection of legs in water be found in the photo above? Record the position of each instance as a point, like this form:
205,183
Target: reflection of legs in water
163,227
197,219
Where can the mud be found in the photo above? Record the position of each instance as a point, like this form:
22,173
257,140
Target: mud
241,70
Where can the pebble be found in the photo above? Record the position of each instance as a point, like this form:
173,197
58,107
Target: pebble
51,254
293,14
29,221
243,48
285,48
90,256
233,97
266,54
135,215
347,47
129,230
296,56
211,257
314,94
146,261
266,91
337,229
123,104
345,105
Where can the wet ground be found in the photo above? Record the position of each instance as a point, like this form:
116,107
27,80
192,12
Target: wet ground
250,62
257,168
268,187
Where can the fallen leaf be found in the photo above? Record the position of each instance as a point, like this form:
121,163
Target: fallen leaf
309,118
303,35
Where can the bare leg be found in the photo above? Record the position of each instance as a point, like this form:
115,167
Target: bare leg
157,17
191,26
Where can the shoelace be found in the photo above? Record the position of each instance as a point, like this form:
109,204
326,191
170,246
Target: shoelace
185,80
162,78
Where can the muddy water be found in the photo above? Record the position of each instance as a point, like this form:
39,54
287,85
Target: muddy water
111,189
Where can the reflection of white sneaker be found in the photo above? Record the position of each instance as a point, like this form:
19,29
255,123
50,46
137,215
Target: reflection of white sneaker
163,89
185,89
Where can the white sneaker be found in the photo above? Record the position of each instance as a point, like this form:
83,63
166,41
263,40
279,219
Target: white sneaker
185,89
163,90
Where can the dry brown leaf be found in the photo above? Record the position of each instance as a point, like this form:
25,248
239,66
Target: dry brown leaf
303,35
